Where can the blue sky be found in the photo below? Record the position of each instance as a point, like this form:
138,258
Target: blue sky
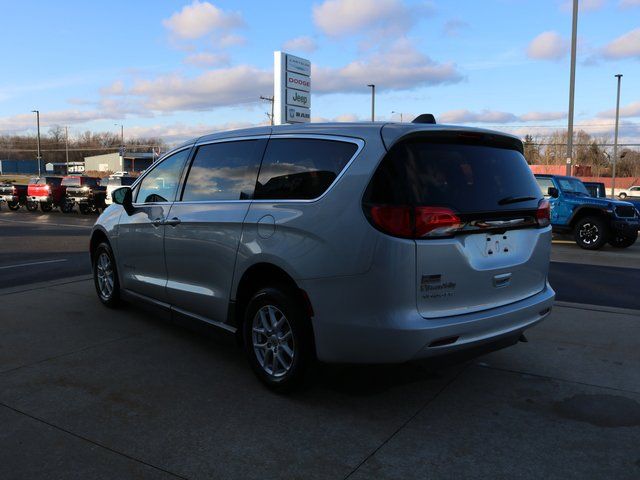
181,68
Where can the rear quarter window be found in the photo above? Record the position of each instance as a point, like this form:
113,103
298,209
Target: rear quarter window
301,168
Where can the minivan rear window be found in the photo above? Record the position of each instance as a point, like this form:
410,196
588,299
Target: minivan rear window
301,168
467,178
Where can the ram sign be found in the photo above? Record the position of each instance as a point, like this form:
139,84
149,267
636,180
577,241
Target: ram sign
292,89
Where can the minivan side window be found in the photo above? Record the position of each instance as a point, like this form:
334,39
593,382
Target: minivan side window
224,171
161,183
301,168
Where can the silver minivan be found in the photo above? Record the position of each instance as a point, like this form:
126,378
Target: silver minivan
343,242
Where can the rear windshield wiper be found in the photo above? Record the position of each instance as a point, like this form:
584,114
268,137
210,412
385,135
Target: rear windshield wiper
508,200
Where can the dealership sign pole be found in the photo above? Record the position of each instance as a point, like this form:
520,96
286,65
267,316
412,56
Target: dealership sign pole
291,89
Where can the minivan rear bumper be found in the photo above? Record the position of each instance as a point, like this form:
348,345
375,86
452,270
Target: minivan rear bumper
407,336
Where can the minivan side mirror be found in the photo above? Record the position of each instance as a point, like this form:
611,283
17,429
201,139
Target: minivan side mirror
553,192
122,196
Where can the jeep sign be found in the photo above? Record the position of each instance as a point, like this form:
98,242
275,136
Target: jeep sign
292,89
298,98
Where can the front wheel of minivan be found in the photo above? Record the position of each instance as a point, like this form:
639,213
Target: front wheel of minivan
277,337
105,276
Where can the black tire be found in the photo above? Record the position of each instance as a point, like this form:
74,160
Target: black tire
111,300
32,206
46,207
623,241
84,209
66,207
591,233
622,195
13,206
286,302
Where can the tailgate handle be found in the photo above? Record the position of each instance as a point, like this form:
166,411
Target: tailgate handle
502,280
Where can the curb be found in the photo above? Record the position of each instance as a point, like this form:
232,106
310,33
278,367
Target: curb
597,308
41,285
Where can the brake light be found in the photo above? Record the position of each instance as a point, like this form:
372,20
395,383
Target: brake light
14,190
414,222
437,220
543,214
47,188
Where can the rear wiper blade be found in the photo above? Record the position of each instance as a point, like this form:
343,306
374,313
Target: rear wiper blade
508,200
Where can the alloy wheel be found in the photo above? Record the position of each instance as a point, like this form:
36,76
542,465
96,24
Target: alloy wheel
589,233
104,270
273,341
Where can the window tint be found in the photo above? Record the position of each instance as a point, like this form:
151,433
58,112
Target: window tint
54,181
467,178
161,184
224,171
544,183
301,168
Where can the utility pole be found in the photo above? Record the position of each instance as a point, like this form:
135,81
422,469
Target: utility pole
66,146
373,102
572,85
37,112
615,139
269,99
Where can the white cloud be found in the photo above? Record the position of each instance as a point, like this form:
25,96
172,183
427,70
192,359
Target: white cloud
400,67
26,121
485,116
548,46
230,40
214,88
201,18
180,132
629,3
542,116
205,59
455,26
625,46
494,116
338,18
631,110
300,44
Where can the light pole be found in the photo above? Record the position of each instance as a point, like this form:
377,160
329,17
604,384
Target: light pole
572,85
615,139
37,112
393,111
121,133
66,146
373,102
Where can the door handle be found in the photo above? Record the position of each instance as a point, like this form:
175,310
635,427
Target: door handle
173,222
156,222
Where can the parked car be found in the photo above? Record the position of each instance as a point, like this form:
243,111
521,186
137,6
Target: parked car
13,195
596,189
48,192
630,192
86,192
113,182
592,221
362,242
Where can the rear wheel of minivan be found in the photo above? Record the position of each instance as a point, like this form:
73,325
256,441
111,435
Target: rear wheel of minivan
277,337
590,233
105,276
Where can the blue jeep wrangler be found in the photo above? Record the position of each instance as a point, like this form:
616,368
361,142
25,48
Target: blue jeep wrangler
593,221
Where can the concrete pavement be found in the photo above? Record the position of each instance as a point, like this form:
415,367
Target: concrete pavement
86,392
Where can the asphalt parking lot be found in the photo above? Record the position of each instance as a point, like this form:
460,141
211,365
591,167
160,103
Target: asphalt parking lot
86,392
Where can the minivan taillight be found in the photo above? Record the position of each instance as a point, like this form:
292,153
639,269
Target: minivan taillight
414,222
543,214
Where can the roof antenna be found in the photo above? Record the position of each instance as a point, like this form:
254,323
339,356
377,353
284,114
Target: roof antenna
424,118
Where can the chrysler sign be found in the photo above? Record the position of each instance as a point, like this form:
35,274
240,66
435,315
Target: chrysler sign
292,89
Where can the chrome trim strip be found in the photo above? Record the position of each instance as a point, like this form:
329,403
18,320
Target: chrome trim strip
206,320
232,139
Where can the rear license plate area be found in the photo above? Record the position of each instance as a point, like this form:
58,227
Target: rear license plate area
497,245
